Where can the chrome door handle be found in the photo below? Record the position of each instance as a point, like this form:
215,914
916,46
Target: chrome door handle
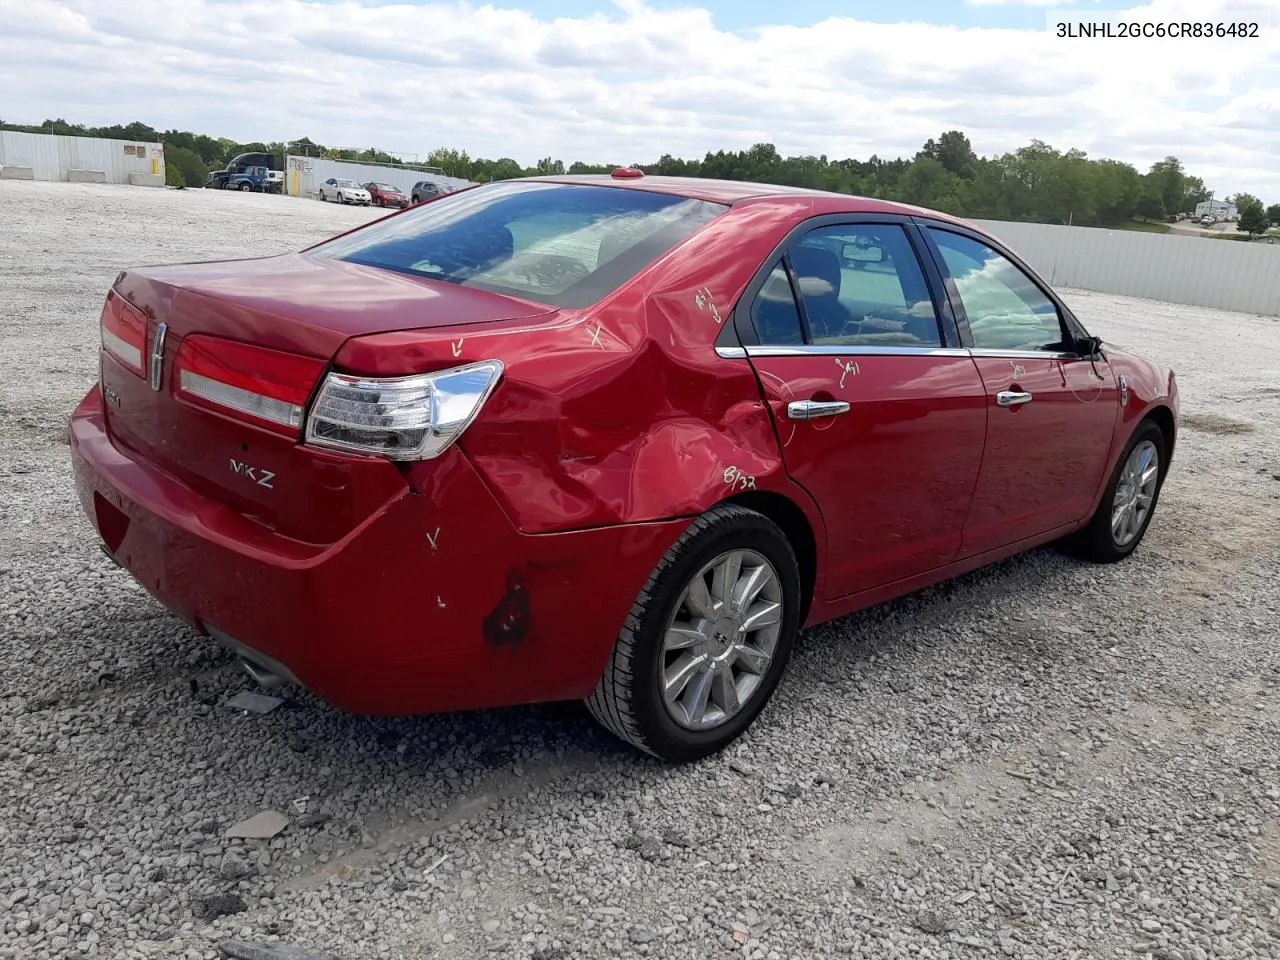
812,409
1012,398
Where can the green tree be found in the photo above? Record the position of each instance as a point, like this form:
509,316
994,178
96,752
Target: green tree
954,152
1273,214
183,167
1151,204
1170,181
1252,214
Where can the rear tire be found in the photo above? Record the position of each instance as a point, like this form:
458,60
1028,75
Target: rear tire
718,670
1125,511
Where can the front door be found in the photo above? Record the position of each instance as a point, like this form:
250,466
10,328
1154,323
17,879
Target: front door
1051,413
880,417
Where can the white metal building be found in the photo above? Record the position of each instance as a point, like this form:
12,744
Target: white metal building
303,175
43,156
1218,209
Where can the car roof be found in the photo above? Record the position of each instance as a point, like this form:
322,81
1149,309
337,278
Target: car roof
734,191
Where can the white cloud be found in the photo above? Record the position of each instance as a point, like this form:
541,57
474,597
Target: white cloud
636,82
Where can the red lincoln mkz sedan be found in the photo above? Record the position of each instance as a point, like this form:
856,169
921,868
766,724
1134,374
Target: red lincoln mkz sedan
615,437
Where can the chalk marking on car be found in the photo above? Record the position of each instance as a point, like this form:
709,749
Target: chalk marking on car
735,477
788,394
434,539
595,335
1018,369
457,346
704,300
847,367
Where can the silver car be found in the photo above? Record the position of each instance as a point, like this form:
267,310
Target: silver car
344,191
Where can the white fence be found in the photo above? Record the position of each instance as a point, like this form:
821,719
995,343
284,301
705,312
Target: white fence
42,156
303,175
1200,271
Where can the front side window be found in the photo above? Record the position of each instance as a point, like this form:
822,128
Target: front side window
1006,310
565,245
862,285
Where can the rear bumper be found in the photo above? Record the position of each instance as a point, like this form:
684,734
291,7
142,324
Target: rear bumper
435,603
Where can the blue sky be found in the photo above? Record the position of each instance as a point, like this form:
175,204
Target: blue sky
620,81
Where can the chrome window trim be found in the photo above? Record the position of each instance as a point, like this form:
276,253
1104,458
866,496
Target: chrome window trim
1023,354
827,350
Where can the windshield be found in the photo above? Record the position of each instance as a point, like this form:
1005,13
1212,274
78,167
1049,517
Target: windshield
349,183
385,187
566,245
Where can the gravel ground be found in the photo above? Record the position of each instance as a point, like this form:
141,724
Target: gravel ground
1042,759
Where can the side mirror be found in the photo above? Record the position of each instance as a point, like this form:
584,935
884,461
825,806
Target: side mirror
1089,347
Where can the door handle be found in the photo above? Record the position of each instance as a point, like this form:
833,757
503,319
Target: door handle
1012,398
812,409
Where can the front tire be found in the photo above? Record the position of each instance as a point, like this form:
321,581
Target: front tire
707,640
1126,509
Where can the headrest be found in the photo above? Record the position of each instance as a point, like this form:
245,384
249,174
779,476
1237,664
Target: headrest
817,270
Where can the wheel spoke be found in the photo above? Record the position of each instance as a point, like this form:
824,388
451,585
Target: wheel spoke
676,677
682,635
749,587
699,694
763,614
698,600
753,660
726,692
1117,518
725,577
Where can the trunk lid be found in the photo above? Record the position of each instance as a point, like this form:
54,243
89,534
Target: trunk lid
296,304
307,304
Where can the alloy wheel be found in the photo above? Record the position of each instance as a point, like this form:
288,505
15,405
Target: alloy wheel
1135,492
721,639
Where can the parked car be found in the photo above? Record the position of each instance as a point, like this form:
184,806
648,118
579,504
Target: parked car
425,190
344,191
616,438
386,194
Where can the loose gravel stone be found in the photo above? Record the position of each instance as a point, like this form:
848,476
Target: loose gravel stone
1039,760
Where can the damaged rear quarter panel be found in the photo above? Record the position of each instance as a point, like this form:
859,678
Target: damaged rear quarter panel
624,413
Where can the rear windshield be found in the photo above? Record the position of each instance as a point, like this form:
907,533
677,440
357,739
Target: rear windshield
565,245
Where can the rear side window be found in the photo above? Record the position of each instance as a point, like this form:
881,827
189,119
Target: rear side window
863,285
774,312
565,245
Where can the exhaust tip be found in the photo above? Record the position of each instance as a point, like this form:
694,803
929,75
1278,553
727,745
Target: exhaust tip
263,676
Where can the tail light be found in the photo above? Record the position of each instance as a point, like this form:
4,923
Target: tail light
124,333
264,387
400,418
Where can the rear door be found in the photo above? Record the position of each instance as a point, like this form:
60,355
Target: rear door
1052,413
880,413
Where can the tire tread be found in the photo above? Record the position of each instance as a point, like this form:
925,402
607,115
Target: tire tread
611,704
